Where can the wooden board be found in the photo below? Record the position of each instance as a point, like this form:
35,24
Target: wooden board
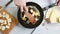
13,23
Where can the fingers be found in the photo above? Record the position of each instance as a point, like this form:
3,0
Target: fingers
25,8
21,8
58,2
21,4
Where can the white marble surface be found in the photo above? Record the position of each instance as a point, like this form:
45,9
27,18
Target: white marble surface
48,29
19,29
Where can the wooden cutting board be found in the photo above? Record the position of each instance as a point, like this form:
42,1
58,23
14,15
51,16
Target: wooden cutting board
13,23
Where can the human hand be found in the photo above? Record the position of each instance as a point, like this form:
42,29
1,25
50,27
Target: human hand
58,2
21,4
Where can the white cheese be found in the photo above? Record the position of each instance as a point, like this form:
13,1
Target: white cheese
31,10
48,14
59,19
9,23
9,20
0,15
1,20
7,27
54,14
24,16
5,22
3,13
3,27
7,16
36,19
0,27
32,14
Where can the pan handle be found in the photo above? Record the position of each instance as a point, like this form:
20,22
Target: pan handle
8,3
52,5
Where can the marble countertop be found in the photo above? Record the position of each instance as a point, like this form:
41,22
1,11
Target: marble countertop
19,29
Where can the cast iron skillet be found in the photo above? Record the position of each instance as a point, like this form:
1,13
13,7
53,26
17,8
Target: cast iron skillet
31,25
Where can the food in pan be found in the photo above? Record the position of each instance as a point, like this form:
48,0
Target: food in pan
34,12
7,21
53,14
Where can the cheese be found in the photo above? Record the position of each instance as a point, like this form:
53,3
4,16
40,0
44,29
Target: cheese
54,14
0,15
9,20
6,16
48,14
9,23
59,19
36,19
7,27
5,22
31,10
0,27
32,14
3,27
1,20
4,13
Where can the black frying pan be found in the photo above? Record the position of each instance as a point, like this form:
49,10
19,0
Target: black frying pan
22,22
31,25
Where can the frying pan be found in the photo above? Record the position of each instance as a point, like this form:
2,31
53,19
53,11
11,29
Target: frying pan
40,12
31,25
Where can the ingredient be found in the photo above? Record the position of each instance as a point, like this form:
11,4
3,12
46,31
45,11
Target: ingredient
53,15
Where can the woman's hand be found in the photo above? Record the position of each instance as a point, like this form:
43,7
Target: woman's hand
21,4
